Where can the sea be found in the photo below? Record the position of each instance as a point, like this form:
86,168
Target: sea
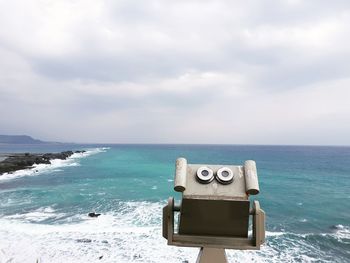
304,191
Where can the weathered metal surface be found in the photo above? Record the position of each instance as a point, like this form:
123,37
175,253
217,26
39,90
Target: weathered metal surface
214,189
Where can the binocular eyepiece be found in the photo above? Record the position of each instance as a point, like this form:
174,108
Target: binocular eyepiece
206,175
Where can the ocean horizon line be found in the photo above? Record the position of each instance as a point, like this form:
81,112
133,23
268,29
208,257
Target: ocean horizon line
196,144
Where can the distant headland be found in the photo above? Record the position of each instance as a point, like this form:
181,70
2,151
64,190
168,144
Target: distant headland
20,139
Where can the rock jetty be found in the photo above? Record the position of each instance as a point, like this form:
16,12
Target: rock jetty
19,161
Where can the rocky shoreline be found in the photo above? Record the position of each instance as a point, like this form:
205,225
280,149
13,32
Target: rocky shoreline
18,161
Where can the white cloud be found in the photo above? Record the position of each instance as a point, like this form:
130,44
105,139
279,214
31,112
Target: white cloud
162,71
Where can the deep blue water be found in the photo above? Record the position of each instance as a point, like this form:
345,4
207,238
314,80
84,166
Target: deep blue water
305,192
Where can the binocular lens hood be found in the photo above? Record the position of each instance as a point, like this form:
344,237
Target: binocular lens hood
205,175
224,175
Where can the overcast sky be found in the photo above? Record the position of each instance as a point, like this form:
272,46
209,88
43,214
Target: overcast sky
225,72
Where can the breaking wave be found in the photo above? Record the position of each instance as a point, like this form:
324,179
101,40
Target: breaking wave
132,233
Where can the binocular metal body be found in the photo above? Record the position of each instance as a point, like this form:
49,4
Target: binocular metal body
215,207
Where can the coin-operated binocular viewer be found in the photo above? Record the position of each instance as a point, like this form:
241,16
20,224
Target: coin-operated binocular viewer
215,209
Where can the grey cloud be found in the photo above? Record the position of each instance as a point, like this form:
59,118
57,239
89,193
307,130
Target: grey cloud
97,67
148,58
139,67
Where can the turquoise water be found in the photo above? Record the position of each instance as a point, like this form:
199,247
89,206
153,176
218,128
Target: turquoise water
304,192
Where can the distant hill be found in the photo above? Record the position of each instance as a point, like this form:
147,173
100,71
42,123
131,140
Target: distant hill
19,139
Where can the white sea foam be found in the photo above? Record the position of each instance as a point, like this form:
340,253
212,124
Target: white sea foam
89,152
55,165
37,215
343,232
131,234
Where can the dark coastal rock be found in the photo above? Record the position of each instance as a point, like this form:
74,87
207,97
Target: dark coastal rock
93,214
84,240
21,161
81,151
336,227
61,156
